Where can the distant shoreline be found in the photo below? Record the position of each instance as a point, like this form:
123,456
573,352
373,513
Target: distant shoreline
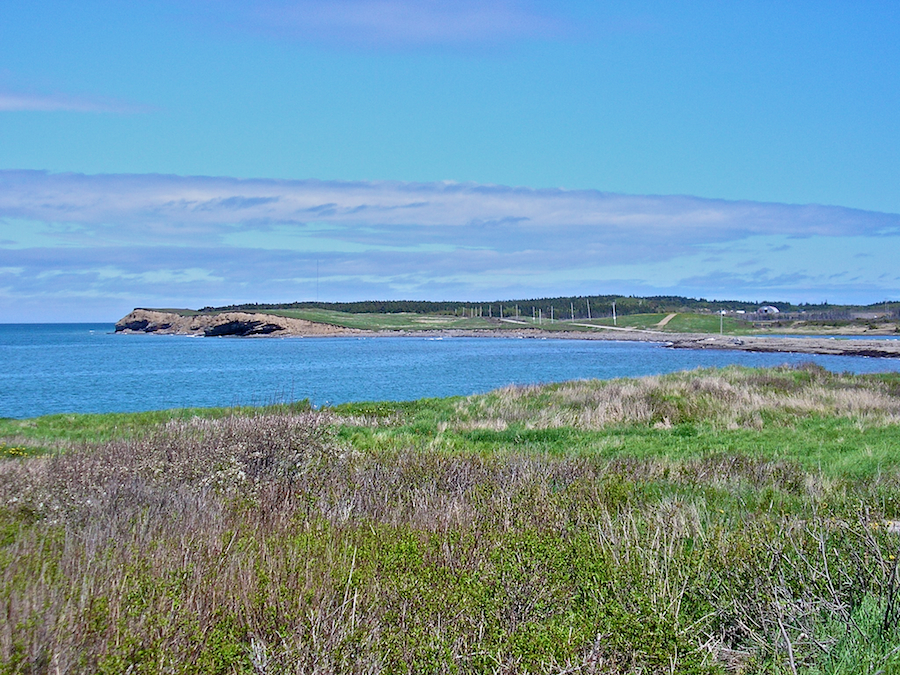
804,345
247,324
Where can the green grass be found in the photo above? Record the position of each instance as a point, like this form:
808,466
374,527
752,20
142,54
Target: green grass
683,322
716,521
16,451
680,420
420,322
173,310
397,321
38,433
768,415
836,448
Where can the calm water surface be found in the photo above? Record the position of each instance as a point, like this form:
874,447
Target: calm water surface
52,368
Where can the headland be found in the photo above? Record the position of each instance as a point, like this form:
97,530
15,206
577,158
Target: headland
266,324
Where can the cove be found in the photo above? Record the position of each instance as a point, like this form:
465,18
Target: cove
85,368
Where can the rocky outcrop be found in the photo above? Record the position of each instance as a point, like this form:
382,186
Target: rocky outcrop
241,324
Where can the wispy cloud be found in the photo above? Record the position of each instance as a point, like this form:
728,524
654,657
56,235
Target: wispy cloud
396,23
253,204
149,209
30,102
199,240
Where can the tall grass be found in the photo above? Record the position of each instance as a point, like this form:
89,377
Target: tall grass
272,544
732,397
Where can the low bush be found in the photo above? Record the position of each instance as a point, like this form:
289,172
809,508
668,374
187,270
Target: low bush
272,544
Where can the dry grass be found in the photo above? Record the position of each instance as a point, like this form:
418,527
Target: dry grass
725,398
265,545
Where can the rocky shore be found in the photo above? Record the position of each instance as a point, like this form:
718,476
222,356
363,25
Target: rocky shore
247,324
804,345
238,324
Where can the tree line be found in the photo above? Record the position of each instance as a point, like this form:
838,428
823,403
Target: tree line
563,307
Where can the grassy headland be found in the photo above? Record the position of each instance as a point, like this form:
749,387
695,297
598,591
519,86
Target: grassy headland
680,323
377,321
734,520
692,315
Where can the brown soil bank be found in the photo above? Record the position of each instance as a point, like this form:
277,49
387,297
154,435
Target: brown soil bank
246,324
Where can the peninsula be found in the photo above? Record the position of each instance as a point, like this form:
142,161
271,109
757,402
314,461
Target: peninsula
667,329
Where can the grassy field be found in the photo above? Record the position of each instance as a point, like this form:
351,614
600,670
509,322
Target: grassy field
680,323
45,434
734,520
412,322
374,321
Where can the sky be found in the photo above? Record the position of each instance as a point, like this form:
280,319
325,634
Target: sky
185,153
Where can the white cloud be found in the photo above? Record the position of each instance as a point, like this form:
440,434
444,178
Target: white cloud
200,240
393,23
175,208
23,102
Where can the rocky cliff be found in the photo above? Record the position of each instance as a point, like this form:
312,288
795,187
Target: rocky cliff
243,324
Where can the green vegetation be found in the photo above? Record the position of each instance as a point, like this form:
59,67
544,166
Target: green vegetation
562,306
579,313
733,520
413,322
52,431
382,321
680,323
553,315
179,311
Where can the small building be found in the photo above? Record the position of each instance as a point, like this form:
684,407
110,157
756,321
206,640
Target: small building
767,309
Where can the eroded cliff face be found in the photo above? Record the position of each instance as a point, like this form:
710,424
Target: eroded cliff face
242,324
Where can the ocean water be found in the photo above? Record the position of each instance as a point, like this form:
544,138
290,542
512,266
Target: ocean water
59,368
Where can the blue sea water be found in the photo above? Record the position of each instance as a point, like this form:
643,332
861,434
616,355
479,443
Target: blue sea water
56,368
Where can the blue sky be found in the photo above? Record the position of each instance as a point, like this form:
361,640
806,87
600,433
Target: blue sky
191,152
